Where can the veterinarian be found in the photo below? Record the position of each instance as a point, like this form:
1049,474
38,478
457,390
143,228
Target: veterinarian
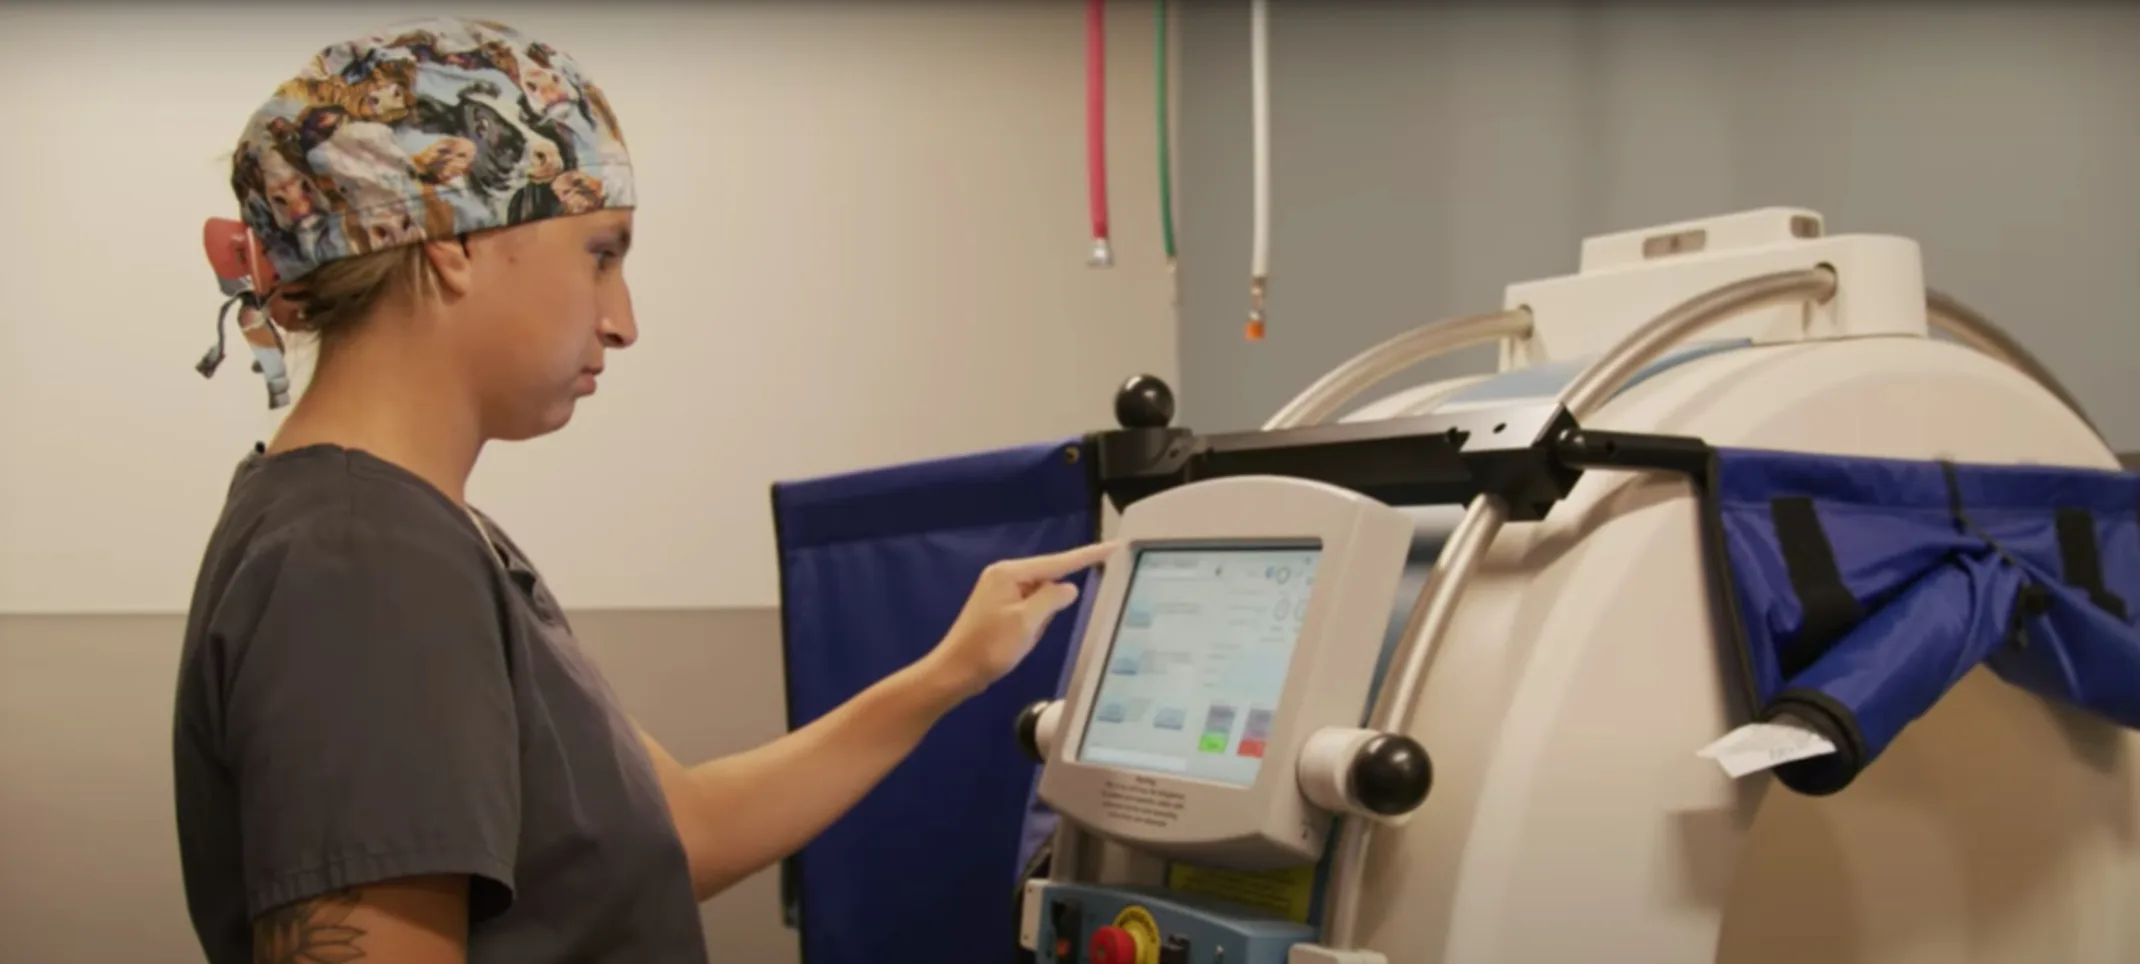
388,745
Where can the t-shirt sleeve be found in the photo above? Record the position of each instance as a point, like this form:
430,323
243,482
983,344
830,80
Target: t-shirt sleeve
369,718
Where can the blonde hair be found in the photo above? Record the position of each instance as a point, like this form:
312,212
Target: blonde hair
332,300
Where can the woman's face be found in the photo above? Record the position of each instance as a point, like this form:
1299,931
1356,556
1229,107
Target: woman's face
546,302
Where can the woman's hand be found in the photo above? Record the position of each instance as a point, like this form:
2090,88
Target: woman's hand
740,813
1010,606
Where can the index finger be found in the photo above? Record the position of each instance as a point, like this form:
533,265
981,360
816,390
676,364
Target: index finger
1060,564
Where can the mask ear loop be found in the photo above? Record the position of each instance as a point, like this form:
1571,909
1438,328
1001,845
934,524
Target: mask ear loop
213,358
268,352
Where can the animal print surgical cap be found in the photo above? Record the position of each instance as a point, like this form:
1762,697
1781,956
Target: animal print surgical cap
427,131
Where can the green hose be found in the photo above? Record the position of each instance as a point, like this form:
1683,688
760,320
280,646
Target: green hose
1166,135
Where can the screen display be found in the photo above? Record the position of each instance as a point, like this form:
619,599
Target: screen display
1199,660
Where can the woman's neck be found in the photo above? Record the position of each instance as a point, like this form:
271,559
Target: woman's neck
395,405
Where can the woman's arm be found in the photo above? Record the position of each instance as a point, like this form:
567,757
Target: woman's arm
414,920
740,814
367,721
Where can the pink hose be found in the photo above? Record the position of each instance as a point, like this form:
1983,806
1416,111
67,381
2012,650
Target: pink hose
1096,114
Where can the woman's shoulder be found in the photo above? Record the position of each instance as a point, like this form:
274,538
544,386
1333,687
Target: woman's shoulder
325,551
338,506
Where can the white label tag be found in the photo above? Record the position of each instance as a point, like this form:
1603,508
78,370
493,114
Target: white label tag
1758,746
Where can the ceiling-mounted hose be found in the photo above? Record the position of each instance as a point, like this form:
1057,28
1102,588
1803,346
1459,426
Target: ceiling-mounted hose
1259,68
1103,254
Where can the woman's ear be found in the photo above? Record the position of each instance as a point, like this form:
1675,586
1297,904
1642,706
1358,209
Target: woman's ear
451,262
286,312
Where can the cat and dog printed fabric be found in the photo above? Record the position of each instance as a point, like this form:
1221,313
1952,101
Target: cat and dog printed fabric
427,131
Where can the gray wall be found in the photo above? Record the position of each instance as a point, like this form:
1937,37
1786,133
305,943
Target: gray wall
88,854
1425,156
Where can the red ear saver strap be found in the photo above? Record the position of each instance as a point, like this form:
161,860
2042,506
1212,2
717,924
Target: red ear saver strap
248,280
234,255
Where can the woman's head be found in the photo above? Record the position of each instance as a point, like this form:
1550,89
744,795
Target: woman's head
453,197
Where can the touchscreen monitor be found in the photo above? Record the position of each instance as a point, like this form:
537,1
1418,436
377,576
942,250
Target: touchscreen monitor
1199,660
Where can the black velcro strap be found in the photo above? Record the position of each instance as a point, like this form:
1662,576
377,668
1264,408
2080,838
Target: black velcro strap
2081,560
1954,497
1962,523
1830,610
2030,599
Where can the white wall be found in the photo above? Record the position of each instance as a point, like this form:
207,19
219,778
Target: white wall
862,241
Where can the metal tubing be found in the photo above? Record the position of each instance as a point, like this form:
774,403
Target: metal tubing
1369,368
1067,865
1423,628
1365,370
1962,323
1610,373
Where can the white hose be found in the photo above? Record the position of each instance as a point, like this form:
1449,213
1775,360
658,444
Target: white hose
1259,61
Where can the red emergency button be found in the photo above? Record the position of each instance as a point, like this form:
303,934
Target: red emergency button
1113,945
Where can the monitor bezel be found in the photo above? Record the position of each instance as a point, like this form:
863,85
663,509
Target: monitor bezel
1268,823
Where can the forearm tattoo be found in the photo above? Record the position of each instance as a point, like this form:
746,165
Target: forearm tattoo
309,932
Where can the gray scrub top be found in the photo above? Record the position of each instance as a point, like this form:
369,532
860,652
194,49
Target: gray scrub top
368,692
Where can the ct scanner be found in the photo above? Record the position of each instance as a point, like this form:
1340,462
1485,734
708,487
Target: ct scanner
1453,679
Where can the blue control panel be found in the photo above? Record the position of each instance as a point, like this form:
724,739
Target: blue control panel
1189,930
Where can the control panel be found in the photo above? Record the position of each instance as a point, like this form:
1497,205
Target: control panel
1079,924
1248,617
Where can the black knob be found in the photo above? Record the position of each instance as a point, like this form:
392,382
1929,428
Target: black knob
1391,775
1144,402
1029,730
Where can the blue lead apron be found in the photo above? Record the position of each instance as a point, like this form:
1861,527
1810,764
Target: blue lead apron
1861,590
874,567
